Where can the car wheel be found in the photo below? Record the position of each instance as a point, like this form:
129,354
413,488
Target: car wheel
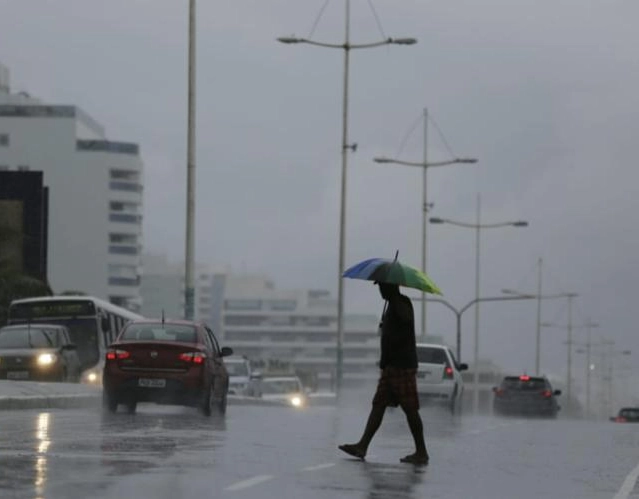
131,406
221,405
453,402
206,405
109,402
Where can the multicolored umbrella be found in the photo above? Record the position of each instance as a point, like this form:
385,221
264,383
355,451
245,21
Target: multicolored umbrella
392,272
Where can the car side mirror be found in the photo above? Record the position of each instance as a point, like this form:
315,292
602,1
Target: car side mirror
557,392
463,367
70,346
226,351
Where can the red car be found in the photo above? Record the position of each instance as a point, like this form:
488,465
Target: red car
167,362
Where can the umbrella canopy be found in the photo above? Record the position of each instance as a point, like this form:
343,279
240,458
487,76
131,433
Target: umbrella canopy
392,272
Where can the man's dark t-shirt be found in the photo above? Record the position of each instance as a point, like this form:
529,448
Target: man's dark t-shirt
398,335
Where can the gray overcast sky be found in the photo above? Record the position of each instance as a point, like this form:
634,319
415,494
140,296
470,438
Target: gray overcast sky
543,93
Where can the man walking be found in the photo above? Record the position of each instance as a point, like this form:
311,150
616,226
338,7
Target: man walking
397,384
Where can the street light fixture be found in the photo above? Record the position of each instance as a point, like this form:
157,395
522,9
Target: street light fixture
346,46
424,165
477,226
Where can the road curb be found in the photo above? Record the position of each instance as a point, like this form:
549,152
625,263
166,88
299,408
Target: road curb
49,402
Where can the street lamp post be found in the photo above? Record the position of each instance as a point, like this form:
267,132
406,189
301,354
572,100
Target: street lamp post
460,311
346,46
189,258
477,226
425,165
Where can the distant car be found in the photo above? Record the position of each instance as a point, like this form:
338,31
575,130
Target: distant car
241,380
527,396
627,415
286,389
172,362
39,352
439,378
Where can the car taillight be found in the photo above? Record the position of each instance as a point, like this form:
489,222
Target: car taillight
448,373
499,392
193,357
620,419
524,377
546,394
117,354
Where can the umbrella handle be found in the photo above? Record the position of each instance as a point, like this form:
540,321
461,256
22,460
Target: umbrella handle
396,255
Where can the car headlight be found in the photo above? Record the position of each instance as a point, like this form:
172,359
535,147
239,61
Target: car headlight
46,359
92,377
296,401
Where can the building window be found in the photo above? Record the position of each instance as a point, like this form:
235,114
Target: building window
123,281
243,304
283,305
125,186
123,250
124,206
123,238
121,270
125,218
128,175
4,139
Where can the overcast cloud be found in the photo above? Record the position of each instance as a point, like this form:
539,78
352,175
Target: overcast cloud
543,93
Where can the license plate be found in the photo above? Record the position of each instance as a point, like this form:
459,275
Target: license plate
152,382
18,375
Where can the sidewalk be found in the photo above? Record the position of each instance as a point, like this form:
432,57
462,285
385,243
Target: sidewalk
34,395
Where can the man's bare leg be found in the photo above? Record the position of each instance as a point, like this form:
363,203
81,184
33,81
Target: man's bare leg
372,425
417,430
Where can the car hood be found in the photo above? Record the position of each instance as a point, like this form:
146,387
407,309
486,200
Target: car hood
25,352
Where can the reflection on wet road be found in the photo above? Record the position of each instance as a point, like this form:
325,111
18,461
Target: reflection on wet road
257,452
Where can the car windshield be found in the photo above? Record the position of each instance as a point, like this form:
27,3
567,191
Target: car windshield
237,368
159,332
524,383
431,355
281,386
28,338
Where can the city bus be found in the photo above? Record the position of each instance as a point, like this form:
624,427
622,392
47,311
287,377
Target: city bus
93,325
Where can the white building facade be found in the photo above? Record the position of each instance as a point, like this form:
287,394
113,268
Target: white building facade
95,194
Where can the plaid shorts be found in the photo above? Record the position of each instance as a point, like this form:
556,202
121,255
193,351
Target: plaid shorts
397,387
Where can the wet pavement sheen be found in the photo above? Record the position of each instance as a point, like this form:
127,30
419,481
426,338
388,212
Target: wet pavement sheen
262,452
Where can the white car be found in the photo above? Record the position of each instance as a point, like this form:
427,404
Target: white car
439,378
239,369
286,389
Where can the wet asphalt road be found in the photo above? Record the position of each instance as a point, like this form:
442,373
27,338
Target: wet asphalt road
264,452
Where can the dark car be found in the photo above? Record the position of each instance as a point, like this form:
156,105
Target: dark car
627,415
172,362
527,396
39,352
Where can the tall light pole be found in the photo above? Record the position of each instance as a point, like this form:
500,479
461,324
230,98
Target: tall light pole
346,46
569,342
477,226
425,165
189,260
